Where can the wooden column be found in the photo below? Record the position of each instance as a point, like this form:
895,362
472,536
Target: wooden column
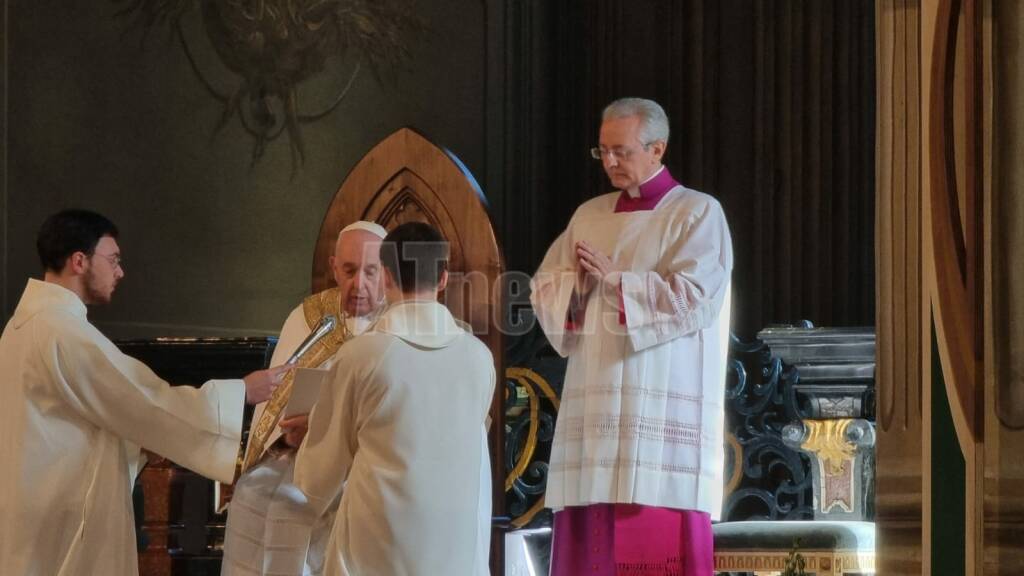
954,251
901,304
951,133
1003,27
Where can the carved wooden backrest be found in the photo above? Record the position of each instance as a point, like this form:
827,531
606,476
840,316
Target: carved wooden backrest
407,178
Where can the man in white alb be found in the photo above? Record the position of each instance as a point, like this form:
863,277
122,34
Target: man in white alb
635,293
75,412
270,528
401,424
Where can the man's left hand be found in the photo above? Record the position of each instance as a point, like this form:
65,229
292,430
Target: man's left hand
294,429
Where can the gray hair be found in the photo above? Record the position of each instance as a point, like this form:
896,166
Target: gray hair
653,121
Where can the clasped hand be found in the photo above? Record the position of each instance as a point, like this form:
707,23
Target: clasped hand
594,267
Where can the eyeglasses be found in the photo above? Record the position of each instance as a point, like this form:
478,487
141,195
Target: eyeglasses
619,153
115,259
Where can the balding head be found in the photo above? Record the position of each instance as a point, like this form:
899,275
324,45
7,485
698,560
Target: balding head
356,266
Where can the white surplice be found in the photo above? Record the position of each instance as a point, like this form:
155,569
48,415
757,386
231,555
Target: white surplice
402,419
641,419
271,528
74,412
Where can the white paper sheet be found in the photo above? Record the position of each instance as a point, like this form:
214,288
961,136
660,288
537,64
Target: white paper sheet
305,391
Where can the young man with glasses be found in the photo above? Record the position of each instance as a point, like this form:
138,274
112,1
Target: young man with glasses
76,411
635,293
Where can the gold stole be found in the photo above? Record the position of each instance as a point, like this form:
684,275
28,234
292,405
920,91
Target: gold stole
314,308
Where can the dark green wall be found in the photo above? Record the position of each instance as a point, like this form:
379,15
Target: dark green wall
3,162
213,244
771,106
949,480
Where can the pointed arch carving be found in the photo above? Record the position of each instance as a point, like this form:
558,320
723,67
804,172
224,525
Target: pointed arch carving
407,197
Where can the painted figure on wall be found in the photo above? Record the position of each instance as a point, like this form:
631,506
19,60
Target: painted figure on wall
273,46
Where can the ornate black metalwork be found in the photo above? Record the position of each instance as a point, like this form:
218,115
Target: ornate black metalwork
529,486
773,481
832,376
534,378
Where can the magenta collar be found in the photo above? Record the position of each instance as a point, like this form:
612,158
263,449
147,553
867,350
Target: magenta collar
651,192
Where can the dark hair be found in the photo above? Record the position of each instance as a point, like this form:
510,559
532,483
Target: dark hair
416,255
70,231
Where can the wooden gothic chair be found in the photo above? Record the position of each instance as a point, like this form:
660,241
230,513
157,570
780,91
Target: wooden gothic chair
407,178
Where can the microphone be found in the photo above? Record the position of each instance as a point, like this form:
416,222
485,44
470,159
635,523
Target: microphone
322,328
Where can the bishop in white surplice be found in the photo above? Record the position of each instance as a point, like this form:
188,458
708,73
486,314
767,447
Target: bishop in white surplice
641,419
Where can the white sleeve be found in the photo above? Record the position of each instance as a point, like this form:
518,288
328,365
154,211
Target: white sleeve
198,428
292,334
552,291
690,295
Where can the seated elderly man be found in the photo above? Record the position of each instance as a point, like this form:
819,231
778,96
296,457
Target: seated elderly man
271,529
401,424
